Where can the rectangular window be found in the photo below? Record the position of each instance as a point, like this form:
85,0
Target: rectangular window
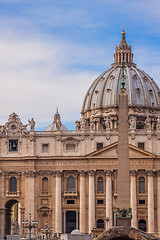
45,147
70,201
99,146
70,146
100,201
141,201
13,145
141,145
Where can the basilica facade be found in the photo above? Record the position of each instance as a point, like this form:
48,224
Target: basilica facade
69,178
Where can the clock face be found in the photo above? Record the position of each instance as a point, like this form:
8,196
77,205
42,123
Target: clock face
13,127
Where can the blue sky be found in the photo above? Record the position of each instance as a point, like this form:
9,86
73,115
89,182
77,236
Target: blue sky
52,50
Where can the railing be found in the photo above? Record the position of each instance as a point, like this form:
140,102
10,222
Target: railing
70,194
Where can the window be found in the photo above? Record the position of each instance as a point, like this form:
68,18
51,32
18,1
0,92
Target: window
100,201
70,184
45,147
141,184
100,184
141,201
13,184
142,225
70,201
141,145
70,146
13,145
100,223
45,185
99,146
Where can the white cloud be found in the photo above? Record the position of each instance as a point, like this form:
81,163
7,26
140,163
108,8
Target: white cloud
36,76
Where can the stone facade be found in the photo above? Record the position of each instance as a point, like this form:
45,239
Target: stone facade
69,178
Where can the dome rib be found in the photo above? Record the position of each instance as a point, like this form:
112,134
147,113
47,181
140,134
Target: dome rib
104,86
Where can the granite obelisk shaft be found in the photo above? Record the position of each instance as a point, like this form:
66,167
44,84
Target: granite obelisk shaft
123,189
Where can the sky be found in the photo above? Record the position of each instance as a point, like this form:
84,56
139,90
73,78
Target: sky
52,50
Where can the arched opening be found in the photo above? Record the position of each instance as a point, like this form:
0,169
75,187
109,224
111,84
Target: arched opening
13,185
45,185
12,217
100,184
142,225
141,185
100,223
70,184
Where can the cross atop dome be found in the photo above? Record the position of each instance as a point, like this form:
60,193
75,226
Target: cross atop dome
123,54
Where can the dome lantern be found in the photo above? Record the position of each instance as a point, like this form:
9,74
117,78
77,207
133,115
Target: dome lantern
123,53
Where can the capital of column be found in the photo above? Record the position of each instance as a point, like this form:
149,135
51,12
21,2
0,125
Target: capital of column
82,173
133,172
108,172
150,173
91,172
58,173
31,173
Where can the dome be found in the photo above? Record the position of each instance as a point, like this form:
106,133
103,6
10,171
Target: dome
140,87
76,232
57,124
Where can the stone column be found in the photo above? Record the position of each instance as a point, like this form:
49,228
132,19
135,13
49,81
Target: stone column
150,202
108,198
30,193
3,222
133,193
22,210
58,204
91,201
158,200
82,202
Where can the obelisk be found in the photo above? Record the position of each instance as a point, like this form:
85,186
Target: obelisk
123,213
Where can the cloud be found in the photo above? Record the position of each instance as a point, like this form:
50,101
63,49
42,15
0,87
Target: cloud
36,76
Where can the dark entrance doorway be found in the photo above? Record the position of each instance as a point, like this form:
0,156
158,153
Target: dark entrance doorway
70,221
12,216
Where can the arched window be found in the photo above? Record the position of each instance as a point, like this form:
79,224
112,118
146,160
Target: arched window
141,184
70,184
13,184
45,185
100,223
142,225
100,184
44,219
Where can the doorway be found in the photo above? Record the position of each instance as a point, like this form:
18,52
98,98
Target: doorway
70,221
